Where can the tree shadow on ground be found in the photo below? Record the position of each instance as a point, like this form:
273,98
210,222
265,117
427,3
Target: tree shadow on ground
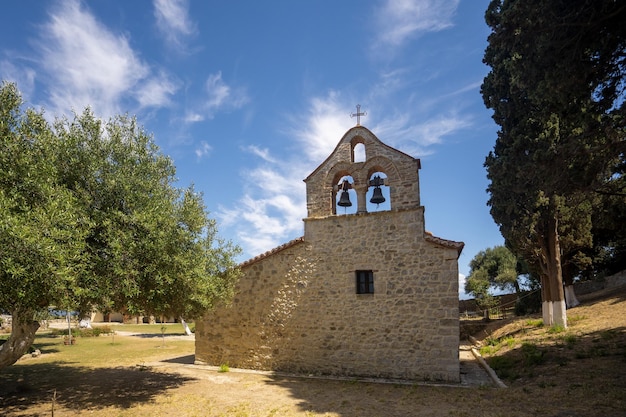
371,399
160,336
618,294
81,388
46,347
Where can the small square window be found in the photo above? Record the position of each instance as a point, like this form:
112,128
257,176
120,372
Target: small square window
364,282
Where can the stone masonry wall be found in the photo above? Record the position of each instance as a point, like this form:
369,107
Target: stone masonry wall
298,310
248,333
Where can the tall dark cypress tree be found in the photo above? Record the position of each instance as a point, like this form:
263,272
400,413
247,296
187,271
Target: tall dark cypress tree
556,87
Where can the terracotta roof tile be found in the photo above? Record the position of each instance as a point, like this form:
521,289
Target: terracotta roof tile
444,242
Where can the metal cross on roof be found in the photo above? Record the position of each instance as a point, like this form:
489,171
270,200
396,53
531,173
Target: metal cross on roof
358,114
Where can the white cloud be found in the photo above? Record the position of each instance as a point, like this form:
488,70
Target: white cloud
192,117
219,96
271,211
94,64
321,128
203,150
86,64
264,223
24,78
399,20
390,83
256,212
475,86
156,92
217,91
432,131
417,137
172,17
462,294
256,244
269,179
262,153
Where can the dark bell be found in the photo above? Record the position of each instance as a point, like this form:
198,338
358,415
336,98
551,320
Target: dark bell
344,200
377,197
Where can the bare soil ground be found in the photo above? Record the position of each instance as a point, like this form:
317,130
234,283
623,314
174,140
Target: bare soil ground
579,371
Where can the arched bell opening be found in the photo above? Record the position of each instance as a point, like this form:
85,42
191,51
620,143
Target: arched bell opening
378,194
358,153
345,197
357,150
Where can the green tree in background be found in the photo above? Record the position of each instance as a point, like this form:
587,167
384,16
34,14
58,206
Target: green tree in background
556,87
494,267
497,266
90,218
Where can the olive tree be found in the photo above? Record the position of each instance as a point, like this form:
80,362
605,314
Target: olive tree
91,218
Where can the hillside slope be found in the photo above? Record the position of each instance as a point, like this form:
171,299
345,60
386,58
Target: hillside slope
583,365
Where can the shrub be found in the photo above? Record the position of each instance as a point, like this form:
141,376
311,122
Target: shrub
63,332
504,366
575,319
489,350
492,341
510,341
532,354
535,323
94,332
569,339
557,328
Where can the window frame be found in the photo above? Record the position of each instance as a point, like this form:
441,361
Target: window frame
364,281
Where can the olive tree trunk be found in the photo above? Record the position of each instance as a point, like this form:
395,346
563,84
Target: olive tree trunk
23,329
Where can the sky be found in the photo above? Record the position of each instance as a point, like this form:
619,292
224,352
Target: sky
249,97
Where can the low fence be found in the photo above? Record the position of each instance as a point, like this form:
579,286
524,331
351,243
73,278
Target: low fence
504,306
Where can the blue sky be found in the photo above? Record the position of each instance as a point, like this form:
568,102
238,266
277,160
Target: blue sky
249,97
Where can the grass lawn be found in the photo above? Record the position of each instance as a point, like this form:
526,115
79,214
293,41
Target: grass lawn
153,329
111,349
103,373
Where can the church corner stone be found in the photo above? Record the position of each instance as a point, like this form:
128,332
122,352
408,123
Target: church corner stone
298,308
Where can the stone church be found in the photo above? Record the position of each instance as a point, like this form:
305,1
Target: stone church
366,292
